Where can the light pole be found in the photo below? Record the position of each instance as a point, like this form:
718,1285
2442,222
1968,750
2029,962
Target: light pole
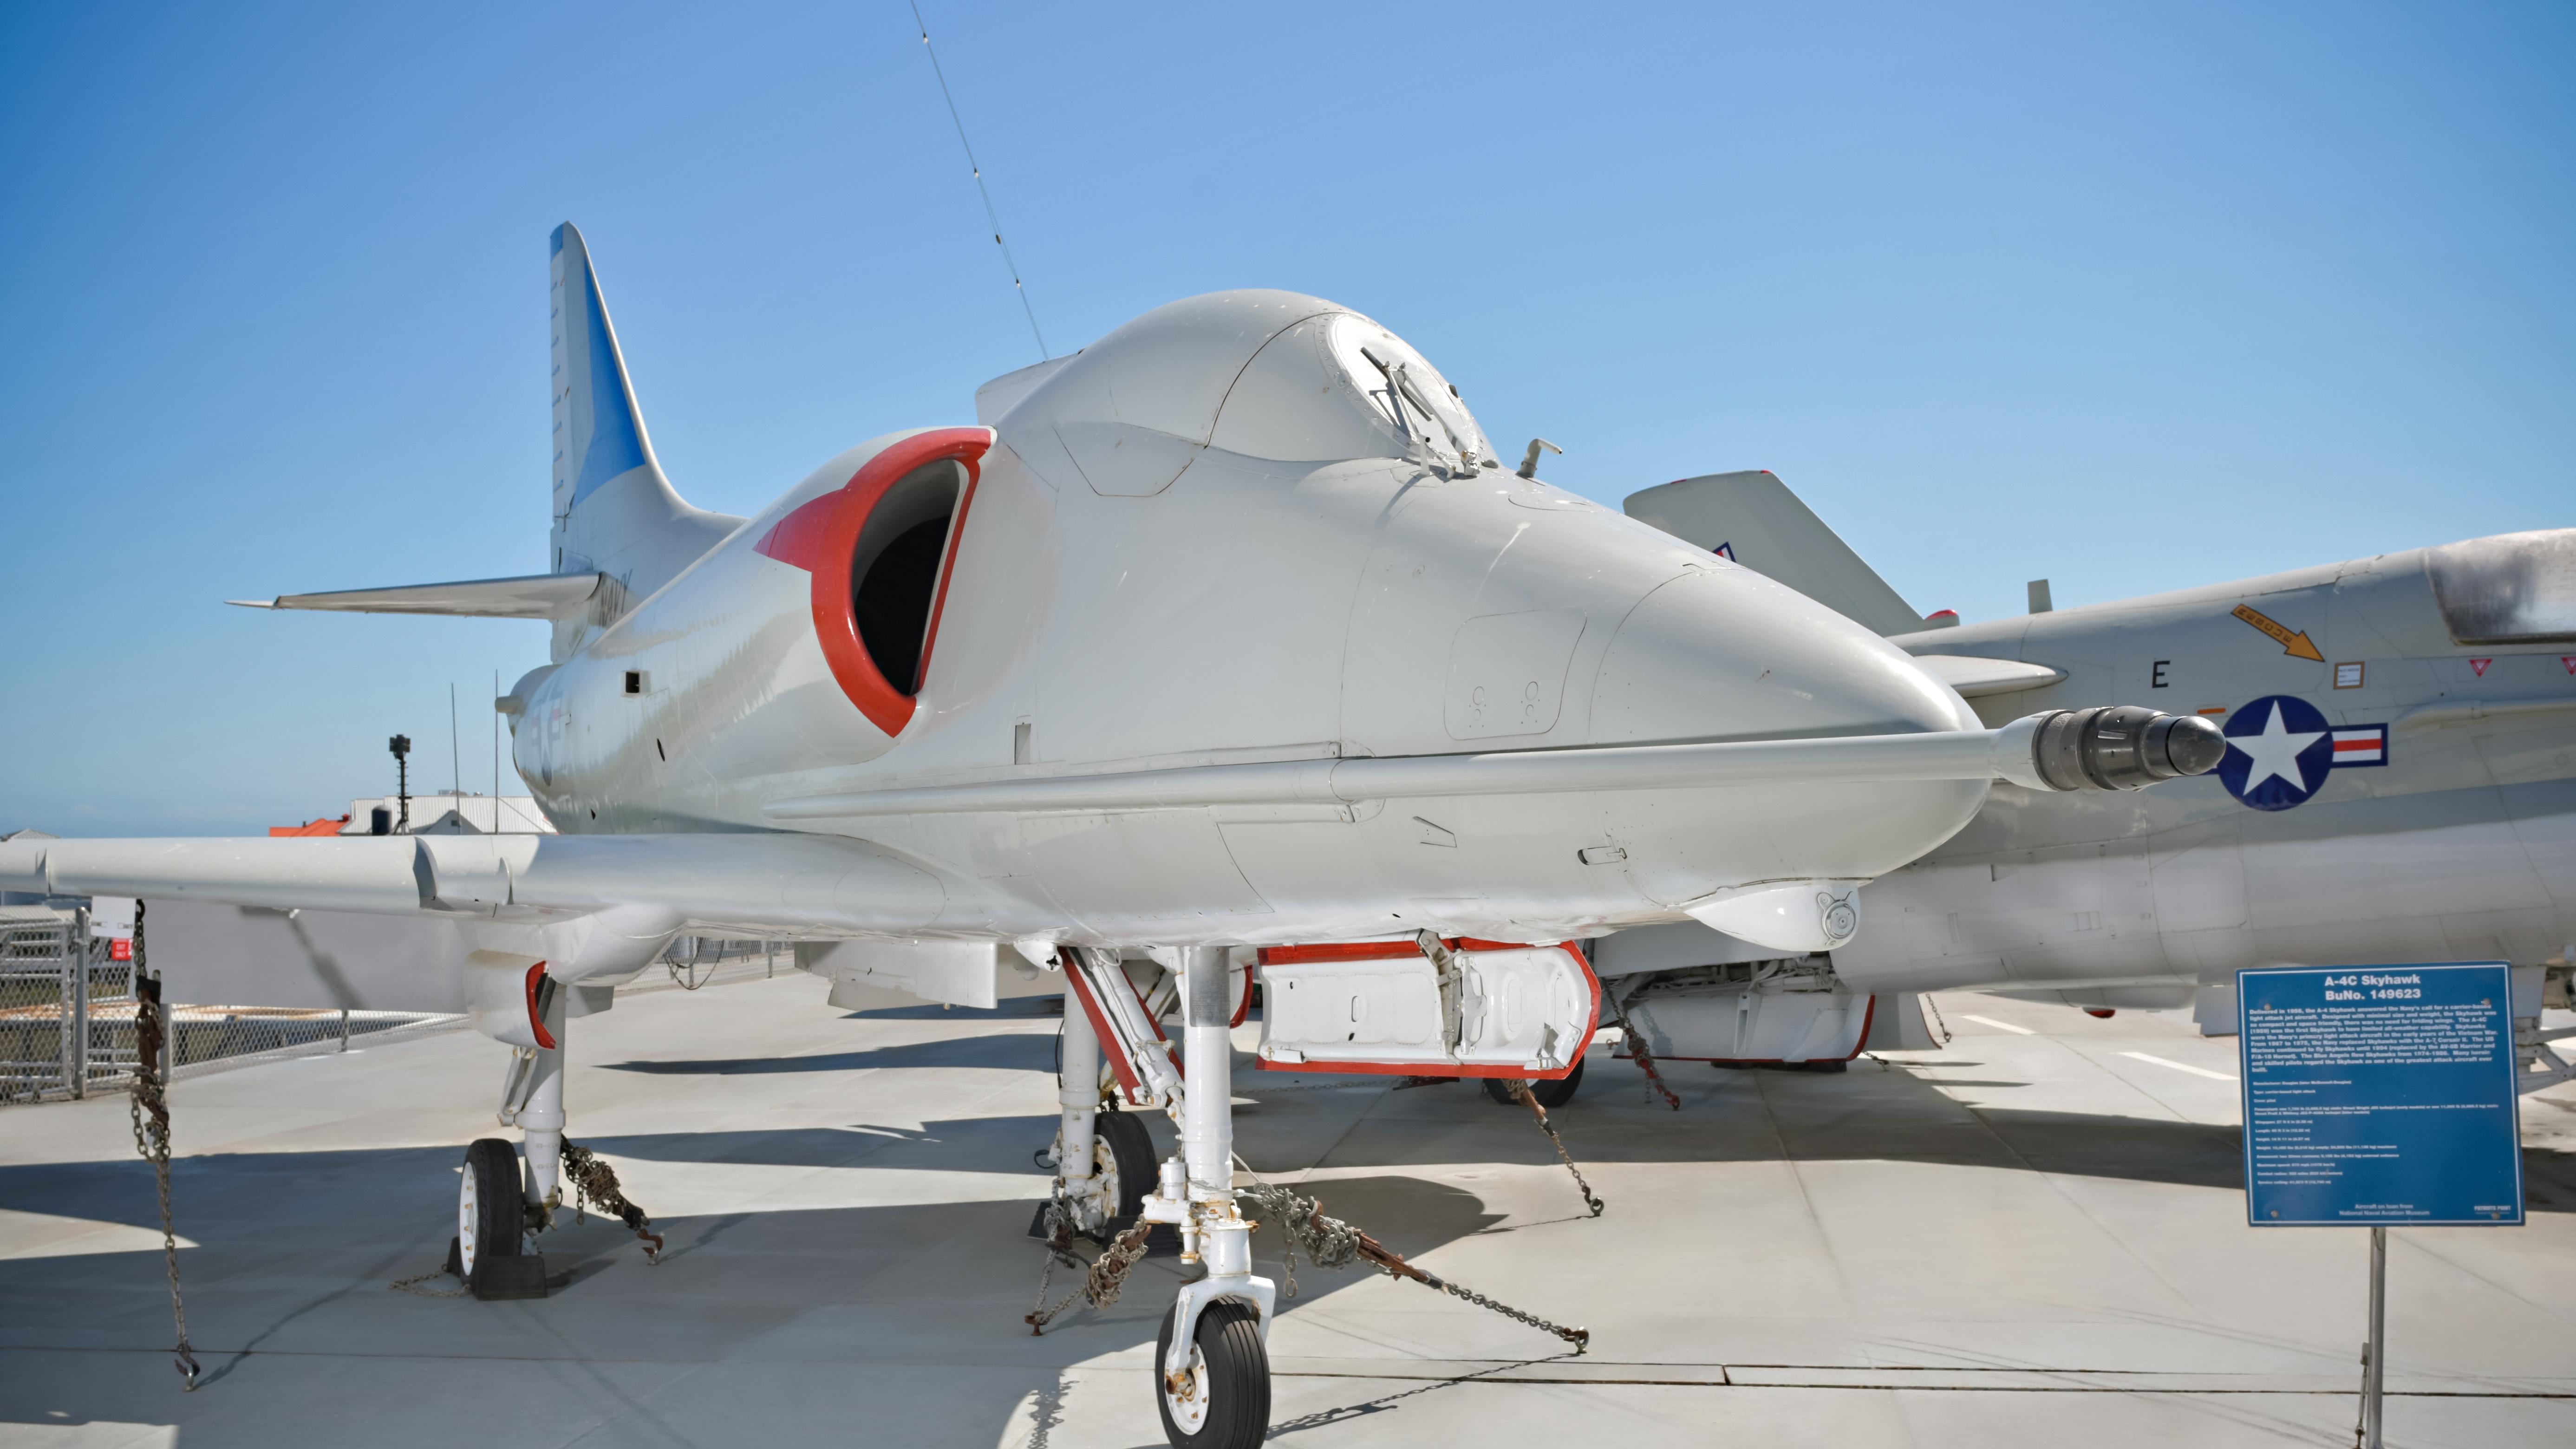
401,746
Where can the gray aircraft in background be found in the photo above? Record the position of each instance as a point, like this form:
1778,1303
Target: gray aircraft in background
2399,786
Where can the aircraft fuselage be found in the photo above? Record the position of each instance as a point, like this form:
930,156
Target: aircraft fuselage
1249,609
2402,796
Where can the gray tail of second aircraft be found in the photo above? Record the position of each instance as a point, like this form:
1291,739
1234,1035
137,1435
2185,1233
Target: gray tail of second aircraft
614,510
1753,519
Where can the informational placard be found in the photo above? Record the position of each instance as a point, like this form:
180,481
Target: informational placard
2379,1095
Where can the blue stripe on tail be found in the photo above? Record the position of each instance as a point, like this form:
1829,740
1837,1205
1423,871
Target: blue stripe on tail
616,445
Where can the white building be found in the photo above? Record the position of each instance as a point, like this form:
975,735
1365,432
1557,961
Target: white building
441,812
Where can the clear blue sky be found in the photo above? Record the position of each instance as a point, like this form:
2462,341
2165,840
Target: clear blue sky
2129,297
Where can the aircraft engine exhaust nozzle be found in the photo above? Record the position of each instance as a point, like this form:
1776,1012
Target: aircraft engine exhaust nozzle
2115,747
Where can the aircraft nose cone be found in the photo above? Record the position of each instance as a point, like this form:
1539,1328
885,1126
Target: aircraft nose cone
1726,654
2194,746
1732,655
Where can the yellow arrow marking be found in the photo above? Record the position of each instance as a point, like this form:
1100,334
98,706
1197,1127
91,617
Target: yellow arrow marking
2297,645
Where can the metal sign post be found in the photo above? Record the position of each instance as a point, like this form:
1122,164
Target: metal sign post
2377,1095
2374,1359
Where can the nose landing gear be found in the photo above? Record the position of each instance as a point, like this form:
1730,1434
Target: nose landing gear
1211,1366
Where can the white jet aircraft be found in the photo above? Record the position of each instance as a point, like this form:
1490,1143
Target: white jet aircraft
1228,632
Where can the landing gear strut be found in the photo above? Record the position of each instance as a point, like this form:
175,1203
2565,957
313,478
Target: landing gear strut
1212,1364
534,1102
1105,1159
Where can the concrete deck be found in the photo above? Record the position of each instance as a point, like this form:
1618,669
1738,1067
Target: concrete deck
2022,1239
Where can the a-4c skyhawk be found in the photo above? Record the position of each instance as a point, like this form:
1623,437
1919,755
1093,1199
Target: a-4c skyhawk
1230,631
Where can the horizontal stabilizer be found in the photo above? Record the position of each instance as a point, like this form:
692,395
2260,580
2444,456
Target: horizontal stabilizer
1755,520
529,596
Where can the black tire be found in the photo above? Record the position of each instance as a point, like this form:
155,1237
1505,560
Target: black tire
1237,1370
1550,1094
1133,1152
491,1205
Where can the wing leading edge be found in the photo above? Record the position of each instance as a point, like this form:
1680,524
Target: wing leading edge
777,884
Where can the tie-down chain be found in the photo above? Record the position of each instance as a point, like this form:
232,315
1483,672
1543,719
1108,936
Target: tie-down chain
1328,1242
150,1107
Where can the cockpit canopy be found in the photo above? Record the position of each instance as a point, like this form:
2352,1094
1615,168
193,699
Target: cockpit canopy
1269,375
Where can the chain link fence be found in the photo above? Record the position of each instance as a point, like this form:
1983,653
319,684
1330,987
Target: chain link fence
58,990
67,1017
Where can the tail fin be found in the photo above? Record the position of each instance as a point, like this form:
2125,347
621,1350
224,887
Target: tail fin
1755,520
614,511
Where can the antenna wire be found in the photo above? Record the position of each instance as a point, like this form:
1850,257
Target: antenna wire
980,188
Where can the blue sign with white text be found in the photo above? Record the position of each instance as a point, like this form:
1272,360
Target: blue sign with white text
2379,1095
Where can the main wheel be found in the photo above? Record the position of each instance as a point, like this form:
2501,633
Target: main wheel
1222,1400
1550,1094
1120,1139
490,1211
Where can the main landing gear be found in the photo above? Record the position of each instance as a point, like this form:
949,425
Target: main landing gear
501,1202
1104,1160
506,1195
1211,1362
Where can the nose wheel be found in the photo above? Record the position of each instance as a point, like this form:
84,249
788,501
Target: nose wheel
1222,1399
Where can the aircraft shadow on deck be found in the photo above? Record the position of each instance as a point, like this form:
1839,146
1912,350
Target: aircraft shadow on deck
1869,1112
297,1249
880,1310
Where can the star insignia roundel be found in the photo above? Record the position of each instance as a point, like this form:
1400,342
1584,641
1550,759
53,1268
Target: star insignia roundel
2279,750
